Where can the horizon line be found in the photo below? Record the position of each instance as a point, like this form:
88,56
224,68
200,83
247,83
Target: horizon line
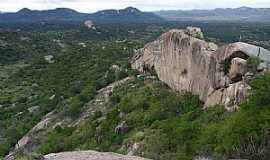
157,10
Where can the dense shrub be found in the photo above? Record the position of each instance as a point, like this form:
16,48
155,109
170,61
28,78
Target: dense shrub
253,63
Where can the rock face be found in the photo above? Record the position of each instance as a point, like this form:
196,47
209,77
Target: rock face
238,69
89,155
185,62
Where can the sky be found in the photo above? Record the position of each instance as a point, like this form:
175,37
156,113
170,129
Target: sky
89,6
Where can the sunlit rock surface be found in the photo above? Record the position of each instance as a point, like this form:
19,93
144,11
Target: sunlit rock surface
185,62
89,155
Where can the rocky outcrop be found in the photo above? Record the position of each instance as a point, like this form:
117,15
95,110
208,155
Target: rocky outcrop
26,144
89,155
185,62
49,59
195,32
89,24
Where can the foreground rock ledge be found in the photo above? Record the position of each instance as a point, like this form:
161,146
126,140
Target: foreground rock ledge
89,155
184,61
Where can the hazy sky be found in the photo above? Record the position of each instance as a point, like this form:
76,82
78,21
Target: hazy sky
146,5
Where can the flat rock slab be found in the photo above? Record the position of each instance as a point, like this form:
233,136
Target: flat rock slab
89,155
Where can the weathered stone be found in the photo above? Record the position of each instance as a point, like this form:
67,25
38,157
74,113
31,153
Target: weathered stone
121,128
238,69
115,68
49,58
52,97
212,46
195,32
203,158
134,148
261,67
121,115
89,24
33,109
35,85
82,44
89,155
185,63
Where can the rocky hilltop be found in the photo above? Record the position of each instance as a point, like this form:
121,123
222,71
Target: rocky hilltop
184,61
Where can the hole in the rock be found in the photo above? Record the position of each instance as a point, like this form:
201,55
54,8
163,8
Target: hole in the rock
239,54
227,62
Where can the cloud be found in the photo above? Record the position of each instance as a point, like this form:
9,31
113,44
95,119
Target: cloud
147,5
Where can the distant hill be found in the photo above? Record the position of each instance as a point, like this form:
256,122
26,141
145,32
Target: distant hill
219,14
128,15
27,15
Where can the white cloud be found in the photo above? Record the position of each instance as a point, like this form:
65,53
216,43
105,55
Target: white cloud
148,5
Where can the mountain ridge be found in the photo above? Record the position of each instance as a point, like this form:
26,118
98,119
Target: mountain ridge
129,15
218,14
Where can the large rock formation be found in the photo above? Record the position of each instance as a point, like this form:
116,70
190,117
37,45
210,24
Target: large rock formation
185,62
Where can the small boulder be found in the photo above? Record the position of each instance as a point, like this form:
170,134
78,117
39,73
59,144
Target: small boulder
82,44
248,77
195,32
121,115
115,68
49,59
121,128
261,67
52,97
35,85
33,109
212,46
89,24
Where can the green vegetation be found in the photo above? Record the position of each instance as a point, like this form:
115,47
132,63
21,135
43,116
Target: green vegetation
169,125
253,63
35,85
142,117
30,87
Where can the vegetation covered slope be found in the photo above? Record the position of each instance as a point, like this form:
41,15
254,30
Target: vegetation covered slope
158,123
81,67
142,117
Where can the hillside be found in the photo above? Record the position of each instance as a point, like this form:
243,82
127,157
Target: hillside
127,15
245,14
